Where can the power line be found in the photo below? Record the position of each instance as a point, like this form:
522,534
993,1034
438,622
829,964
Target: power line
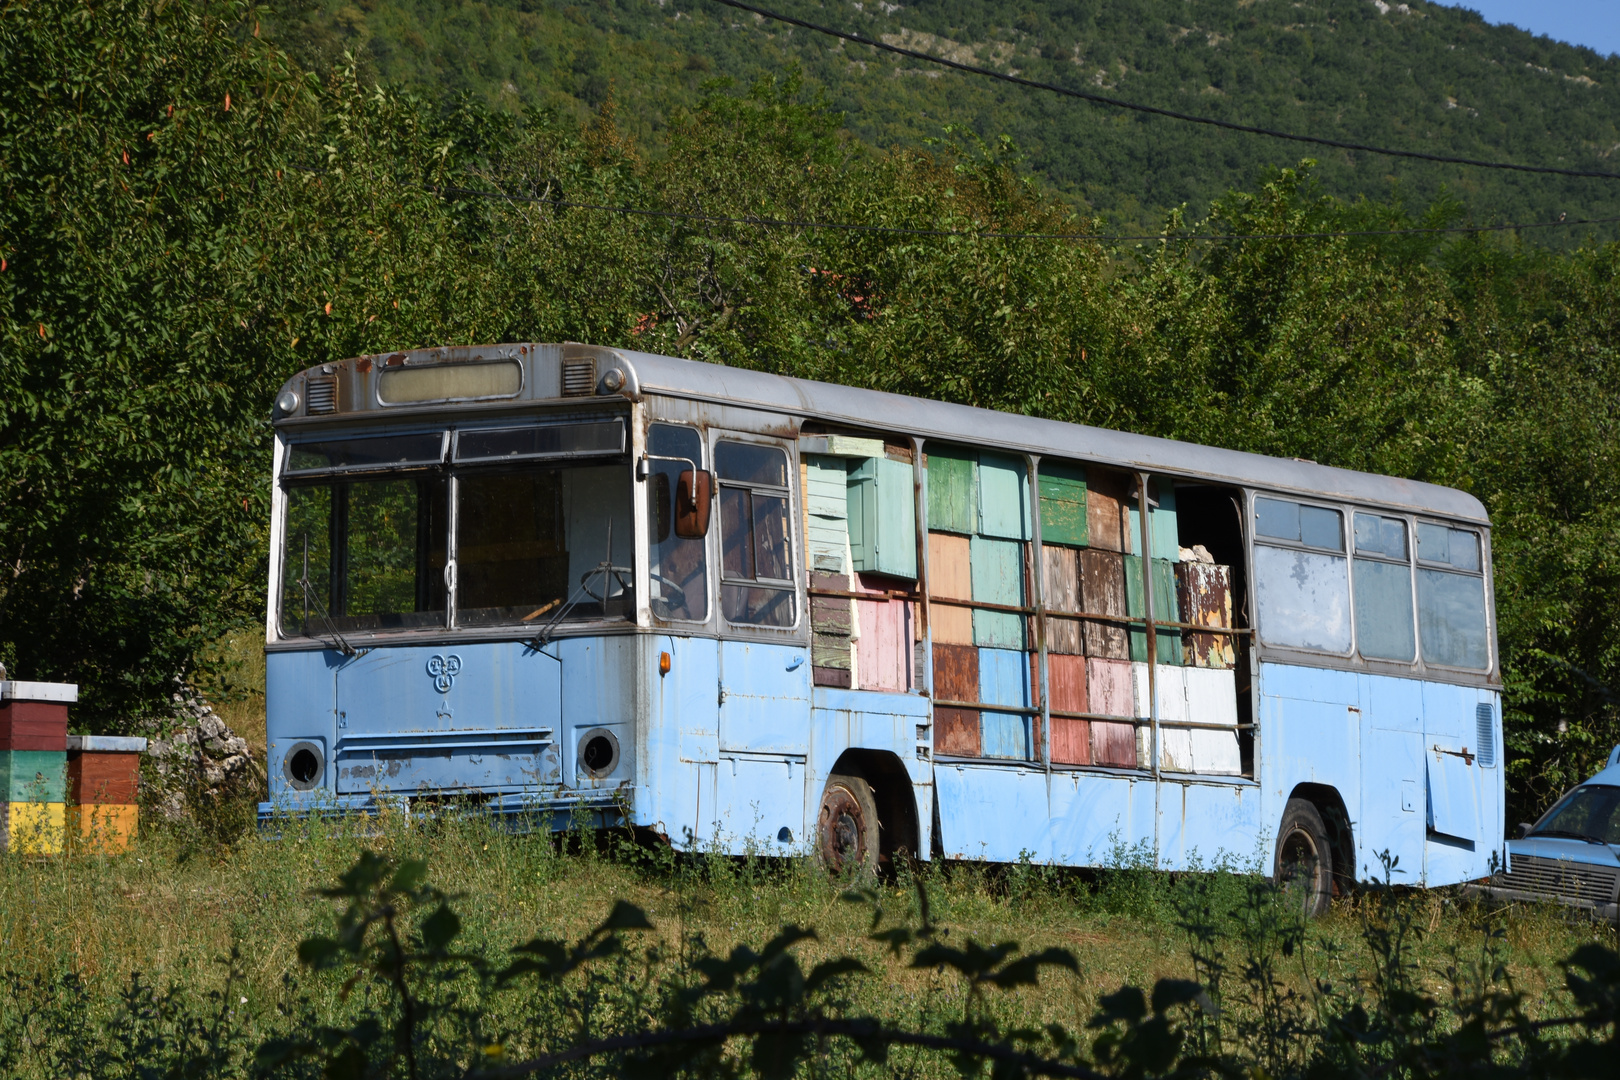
1119,103
899,230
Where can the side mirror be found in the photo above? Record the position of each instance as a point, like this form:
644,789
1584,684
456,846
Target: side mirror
1524,829
694,496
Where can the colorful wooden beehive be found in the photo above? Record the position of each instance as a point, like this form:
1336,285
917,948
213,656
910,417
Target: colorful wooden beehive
33,765
103,781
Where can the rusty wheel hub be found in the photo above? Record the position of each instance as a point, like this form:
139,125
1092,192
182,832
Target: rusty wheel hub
841,830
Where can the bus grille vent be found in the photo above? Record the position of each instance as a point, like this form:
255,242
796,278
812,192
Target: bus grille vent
1486,731
578,377
322,391
1555,877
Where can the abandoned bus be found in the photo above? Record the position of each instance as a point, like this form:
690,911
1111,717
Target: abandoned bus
749,612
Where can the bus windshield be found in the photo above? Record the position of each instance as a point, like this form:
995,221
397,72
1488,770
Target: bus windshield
534,542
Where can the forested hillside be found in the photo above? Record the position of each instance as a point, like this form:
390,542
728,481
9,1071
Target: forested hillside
1414,76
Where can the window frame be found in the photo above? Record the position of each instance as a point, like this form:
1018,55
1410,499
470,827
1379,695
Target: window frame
721,579
1354,660
1344,552
449,430
704,460
1410,562
1484,575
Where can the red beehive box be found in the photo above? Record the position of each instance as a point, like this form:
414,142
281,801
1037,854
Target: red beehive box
34,716
104,769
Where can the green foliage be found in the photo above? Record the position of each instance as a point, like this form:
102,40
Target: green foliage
1435,78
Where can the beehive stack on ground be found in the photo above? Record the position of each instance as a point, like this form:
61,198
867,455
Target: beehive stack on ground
33,765
103,780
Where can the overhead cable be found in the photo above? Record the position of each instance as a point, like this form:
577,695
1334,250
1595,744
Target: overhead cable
1134,106
986,234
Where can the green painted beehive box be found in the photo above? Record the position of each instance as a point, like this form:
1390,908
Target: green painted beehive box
33,776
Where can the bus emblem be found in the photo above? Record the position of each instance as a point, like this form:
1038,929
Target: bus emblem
444,670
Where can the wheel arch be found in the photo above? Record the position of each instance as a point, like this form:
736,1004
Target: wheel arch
1341,830
891,789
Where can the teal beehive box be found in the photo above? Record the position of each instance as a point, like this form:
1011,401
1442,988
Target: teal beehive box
33,776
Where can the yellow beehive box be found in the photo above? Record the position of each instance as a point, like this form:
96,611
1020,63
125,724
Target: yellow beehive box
102,828
34,828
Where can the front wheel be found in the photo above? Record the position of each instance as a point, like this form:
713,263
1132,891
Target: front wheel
1304,857
847,826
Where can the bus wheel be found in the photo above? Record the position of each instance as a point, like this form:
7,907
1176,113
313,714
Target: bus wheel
847,826
1304,859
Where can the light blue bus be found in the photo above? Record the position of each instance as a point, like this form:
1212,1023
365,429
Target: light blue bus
747,612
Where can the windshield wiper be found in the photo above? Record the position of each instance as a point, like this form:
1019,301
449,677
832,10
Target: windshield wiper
606,569
338,641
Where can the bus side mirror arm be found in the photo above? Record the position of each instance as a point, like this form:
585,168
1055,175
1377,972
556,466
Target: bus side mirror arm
694,496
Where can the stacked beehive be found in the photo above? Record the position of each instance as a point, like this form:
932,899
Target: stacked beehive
33,765
103,779
1204,594
860,525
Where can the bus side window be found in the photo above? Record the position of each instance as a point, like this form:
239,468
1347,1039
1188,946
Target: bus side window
1301,575
679,585
1383,589
756,569
1451,597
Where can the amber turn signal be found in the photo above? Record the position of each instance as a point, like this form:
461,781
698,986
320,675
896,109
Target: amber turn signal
663,663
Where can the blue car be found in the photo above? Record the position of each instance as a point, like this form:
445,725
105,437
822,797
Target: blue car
1572,855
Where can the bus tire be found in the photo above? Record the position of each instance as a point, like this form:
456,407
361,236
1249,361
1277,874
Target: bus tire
847,836
1305,857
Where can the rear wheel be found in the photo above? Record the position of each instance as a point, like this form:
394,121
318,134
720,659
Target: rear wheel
1304,858
847,826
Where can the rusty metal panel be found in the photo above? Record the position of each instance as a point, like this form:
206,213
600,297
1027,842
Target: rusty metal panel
956,733
1164,608
1061,585
1204,594
1102,591
956,672
1106,493
997,567
1063,504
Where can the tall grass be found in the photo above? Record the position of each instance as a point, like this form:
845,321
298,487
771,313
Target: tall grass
185,958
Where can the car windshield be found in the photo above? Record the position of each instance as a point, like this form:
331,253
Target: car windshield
1590,812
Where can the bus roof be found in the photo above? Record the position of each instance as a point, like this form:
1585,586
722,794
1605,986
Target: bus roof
898,413
966,423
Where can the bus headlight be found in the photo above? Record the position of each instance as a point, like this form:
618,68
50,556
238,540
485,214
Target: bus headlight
598,753
304,765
